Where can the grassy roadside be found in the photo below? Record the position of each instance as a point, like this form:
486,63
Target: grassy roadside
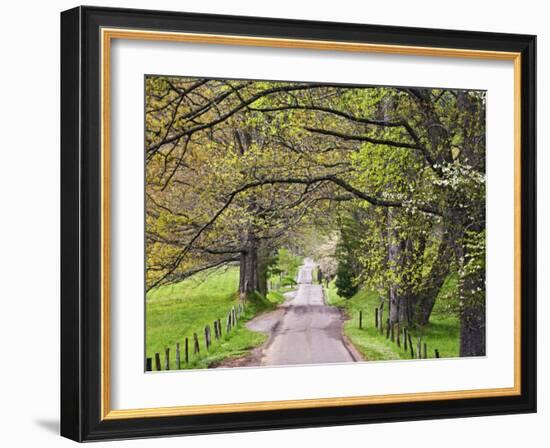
441,333
177,311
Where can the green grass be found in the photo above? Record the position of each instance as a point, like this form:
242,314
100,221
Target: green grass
176,311
441,333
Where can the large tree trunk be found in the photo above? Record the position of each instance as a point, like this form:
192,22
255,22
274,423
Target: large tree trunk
254,264
471,287
394,298
413,308
395,246
405,300
472,317
248,273
394,256
472,331
253,260
421,304
263,265
472,308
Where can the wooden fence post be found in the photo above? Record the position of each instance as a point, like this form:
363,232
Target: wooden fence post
425,350
186,350
381,318
405,339
216,332
410,344
167,364
206,337
388,328
148,364
178,360
197,348
220,327
376,318
228,324
360,320
436,353
157,361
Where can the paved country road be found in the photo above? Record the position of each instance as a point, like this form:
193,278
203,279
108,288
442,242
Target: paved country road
304,330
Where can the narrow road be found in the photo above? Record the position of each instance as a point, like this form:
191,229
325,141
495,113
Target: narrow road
304,330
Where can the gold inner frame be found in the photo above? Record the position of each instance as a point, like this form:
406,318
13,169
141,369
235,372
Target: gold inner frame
107,35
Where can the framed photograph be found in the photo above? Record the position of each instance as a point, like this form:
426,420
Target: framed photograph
273,223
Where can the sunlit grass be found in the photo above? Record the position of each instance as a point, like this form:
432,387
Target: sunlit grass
177,311
442,333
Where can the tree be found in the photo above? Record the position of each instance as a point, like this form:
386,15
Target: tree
440,134
215,173
348,252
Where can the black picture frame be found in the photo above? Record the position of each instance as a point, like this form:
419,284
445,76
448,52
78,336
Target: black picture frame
81,224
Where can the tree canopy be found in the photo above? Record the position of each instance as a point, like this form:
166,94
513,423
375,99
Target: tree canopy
236,169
